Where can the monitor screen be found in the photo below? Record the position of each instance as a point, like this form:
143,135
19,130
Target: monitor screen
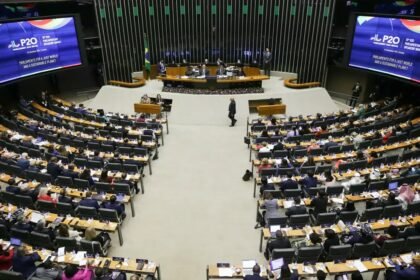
393,186
29,47
15,241
387,45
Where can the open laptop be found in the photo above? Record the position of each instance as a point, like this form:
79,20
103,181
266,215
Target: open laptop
247,266
274,229
393,186
15,241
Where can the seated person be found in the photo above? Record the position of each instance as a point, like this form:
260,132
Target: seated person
104,274
278,146
115,205
363,236
72,272
391,200
409,273
264,164
204,71
41,228
280,242
297,209
24,262
410,231
310,181
6,258
256,270
53,168
392,233
330,143
104,177
63,198
103,238
88,201
319,203
220,70
65,231
132,185
45,195
331,239
271,207
69,172
96,157
265,186
48,271
22,224
314,240
23,161
289,183
85,175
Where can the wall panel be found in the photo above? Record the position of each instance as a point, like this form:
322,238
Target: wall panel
297,31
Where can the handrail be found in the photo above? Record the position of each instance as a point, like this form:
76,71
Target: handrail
138,83
292,83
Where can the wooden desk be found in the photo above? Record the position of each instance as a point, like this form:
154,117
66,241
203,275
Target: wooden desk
269,110
154,109
212,272
67,118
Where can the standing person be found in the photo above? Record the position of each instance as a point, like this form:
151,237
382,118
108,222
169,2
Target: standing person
356,90
162,68
267,61
232,111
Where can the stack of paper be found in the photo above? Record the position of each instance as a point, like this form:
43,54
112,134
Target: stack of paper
360,266
288,203
225,272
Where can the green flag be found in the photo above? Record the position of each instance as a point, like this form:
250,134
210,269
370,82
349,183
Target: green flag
147,65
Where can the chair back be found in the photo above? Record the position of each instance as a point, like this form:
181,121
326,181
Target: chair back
326,219
309,254
69,243
268,172
24,201
11,275
21,234
93,164
109,215
64,209
373,214
339,252
46,206
41,240
357,188
4,232
299,221
64,181
291,193
122,188
390,247
377,186
392,211
81,184
413,208
348,217
281,221
412,244
86,212
334,190
288,255
92,247
262,155
361,250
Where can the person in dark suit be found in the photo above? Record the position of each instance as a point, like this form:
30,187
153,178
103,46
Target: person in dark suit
309,181
113,204
89,202
69,172
297,209
53,168
22,224
23,161
356,90
265,186
267,61
332,239
256,270
220,70
232,111
279,146
63,198
319,203
132,185
289,183
329,144
24,262
280,242
96,157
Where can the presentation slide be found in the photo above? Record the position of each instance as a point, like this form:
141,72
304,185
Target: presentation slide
387,45
37,46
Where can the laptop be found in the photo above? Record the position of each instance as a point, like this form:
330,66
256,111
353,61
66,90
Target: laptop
15,241
247,266
276,265
393,186
274,229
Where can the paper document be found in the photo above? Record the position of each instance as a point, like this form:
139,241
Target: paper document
337,200
308,269
274,228
407,258
225,272
36,217
360,266
288,203
248,263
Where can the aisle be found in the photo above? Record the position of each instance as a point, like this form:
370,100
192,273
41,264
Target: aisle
196,209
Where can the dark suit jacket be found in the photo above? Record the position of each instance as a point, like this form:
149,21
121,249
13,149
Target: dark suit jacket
65,199
232,108
253,277
54,169
115,206
331,242
296,210
410,231
23,163
309,182
70,174
282,243
278,147
88,202
25,264
320,205
267,187
289,184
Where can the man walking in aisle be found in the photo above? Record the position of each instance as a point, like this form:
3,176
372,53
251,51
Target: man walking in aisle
232,111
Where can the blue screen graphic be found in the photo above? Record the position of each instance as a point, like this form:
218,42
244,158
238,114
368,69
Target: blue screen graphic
387,45
37,46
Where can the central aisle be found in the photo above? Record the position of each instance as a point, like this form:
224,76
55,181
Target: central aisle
196,209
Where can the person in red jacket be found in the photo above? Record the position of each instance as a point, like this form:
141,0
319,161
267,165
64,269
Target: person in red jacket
6,258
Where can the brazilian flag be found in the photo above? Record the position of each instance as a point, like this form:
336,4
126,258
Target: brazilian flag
146,54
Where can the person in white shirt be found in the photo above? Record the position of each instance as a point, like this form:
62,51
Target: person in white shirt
264,148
